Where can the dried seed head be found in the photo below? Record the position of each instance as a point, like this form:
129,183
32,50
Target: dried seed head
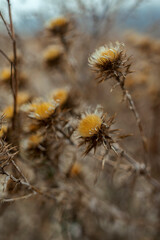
109,61
94,130
42,110
60,96
52,54
58,25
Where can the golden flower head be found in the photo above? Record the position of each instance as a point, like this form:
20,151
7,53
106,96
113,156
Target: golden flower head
108,61
3,130
40,110
5,74
58,25
8,112
60,95
52,54
90,123
93,129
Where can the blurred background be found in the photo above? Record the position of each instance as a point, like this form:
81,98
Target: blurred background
128,207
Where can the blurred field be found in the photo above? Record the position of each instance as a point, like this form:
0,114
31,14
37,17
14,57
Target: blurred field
48,188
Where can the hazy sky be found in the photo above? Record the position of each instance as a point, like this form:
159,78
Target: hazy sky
24,11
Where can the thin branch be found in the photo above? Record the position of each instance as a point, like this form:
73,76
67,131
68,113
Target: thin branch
5,55
6,25
5,200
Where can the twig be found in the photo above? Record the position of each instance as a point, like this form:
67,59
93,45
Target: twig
5,55
5,200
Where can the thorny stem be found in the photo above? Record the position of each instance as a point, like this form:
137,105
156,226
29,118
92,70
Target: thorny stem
133,108
139,168
27,184
8,200
139,123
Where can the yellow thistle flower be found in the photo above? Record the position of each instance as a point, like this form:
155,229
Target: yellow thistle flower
60,95
5,74
109,61
94,130
22,98
3,130
8,112
52,54
42,110
105,54
75,170
89,125
58,25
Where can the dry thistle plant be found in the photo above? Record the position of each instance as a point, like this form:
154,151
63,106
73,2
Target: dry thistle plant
111,62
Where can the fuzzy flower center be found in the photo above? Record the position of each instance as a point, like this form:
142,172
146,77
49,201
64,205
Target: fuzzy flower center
52,53
89,125
44,110
59,22
108,55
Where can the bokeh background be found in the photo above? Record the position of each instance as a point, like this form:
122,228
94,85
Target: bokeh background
128,207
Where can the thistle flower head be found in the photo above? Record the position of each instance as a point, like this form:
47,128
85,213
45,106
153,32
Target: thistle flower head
52,54
39,109
108,61
58,25
89,125
93,129
60,95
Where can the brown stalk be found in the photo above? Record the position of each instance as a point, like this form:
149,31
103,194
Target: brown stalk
133,108
15,85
